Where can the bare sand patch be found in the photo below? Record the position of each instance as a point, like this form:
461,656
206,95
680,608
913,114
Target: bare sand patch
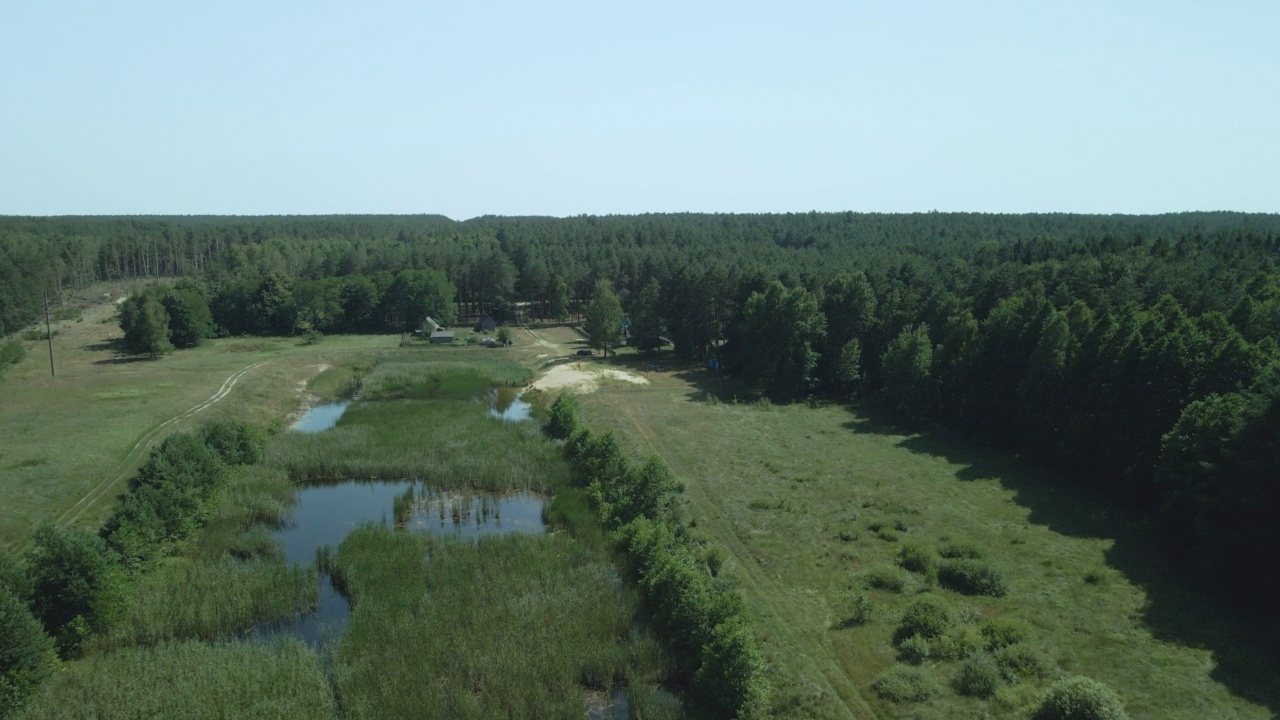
582,378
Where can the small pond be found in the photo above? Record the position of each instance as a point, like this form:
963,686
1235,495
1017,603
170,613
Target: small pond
325,513
321,417
505,404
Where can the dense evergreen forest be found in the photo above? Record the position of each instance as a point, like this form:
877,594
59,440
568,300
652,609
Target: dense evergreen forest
1138,354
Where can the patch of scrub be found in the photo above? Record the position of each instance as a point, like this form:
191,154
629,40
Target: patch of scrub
583,378
321,417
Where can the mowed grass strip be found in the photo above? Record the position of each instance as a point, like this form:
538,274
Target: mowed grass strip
854,491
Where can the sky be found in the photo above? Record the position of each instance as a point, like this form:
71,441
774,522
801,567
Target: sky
564,108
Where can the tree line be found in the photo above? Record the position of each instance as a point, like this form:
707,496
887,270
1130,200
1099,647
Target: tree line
1137,353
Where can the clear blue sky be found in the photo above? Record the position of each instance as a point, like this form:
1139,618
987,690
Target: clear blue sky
561,108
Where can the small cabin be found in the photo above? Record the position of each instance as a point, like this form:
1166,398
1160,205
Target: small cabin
442,337
486,324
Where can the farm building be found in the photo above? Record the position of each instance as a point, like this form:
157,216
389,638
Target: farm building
486,324
442,337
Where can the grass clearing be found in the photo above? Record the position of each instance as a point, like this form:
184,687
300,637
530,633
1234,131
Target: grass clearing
1166,651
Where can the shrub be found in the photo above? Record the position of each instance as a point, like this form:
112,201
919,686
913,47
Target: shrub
862,610
901,683
886,578
236,443
972,577
731,677
76,588
978,677
928,617
919,557
848,536
1005,631
958,643
564,420
26,652
914,650
901,525
14,578
1080,698
961,551
1018,662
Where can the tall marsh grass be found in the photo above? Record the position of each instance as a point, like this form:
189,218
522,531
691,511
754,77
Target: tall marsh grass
509,626
210,600
190,680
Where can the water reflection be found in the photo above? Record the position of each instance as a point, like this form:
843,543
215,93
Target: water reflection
321,417
325,513
506,405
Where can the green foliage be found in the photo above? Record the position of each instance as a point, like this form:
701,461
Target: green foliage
958,643
907,366
603,319
900,684
235,442
27,658
187,307
564,419
191,680
11,353
1004,631
861,610
978,677
914,650
919,557
14,578
76,587
929,617
647,326
781,329
972,577
961,551
1019,662
886,578
145,323
731,676
1080,698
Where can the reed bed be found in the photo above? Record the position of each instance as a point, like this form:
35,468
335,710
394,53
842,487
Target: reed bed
188,599
509,626
190,680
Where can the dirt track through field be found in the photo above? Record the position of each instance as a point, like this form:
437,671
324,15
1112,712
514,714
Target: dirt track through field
835,682
103,489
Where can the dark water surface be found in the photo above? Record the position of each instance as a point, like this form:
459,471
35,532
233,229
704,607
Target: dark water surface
325,513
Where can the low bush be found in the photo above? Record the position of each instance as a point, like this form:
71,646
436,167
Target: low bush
972,577
564,420
958,643
1002,632
1080,698
886,578
861,611
1018,662
961,551
914,650
978,677
929,617
26,652
918,557
901,683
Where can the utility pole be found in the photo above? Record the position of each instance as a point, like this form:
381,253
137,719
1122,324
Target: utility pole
48,332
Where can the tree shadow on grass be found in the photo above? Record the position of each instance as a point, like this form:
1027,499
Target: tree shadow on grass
115,345
1244,642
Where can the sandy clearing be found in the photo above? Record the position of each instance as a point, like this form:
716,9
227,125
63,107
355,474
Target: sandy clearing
581,378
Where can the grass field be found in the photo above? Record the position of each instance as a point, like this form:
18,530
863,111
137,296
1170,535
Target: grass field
68,442
810,503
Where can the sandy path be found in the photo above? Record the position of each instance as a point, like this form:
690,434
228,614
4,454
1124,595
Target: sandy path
582,378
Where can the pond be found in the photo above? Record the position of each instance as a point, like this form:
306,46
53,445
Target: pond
505,404
325,513
321,417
